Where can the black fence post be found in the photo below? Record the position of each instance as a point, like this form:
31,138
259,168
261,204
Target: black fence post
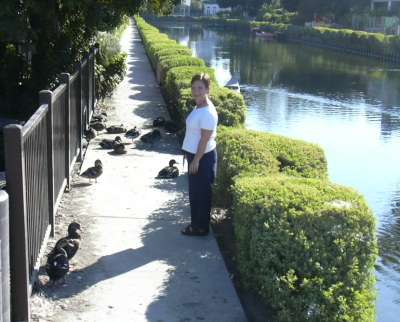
89,85
4,258
46,97
15,175
80,114
66,79
95,51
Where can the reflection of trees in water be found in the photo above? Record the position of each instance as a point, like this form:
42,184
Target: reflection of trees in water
389,236
389,124
301,69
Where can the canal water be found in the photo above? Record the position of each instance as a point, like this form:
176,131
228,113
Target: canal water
347,104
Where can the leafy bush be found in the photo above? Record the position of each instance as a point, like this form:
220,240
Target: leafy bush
178,78
108,76
307,246
168,62
274,13
110,62
230,105
245,152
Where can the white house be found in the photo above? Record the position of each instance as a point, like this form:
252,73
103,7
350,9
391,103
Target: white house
211,8
182,9
388,4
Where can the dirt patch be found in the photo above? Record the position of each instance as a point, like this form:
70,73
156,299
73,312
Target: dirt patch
254,306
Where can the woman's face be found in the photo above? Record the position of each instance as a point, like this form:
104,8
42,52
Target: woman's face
199,91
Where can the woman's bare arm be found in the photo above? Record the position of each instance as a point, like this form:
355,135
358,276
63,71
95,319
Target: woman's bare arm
205,137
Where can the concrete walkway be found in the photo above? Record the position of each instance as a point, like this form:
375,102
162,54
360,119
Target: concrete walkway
134,265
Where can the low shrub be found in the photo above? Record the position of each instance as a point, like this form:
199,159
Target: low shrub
242,151
307,246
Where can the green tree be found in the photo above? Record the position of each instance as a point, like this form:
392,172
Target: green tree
41,38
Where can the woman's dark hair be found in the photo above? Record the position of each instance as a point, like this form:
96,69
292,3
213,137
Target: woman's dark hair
203,77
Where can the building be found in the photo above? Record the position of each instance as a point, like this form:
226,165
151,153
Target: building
387,21
212,8
389,5
182,9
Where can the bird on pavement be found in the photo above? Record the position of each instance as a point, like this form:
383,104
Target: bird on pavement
93,172
169,172
116,129
133,133
57,266
109,143
151,137
90,134
71,242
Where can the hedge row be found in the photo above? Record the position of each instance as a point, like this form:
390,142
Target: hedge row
374,44
306,245
246,152
175,67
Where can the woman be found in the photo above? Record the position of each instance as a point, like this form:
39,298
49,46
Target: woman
199,146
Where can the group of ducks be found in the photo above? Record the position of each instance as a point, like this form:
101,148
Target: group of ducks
57,266
58,260
118,146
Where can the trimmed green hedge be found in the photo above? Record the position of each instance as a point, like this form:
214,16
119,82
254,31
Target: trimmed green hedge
168,62
246,152
175,68
307,246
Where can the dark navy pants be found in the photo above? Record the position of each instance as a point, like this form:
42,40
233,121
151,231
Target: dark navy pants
200,185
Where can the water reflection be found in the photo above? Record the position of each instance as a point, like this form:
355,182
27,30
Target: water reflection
347,104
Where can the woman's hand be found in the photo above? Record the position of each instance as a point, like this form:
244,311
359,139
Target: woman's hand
194,166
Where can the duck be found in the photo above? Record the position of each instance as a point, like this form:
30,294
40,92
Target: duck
90,134
93,172
98,126
169,172
151,137
71,242
119,148
171,127
159,121
133,133
116,129
102,117
109,144
57,266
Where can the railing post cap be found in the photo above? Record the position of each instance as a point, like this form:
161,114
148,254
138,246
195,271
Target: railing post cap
65,77
13,127
3,196
46,91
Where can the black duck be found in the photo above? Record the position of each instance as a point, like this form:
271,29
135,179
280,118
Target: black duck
151,137
109,143
169,172
98,126
57,266
93,172
116,129
159,121
90,134
119,148
71,242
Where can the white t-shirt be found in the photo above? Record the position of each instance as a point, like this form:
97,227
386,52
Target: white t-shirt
205,118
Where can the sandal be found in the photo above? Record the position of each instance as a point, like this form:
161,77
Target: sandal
190,231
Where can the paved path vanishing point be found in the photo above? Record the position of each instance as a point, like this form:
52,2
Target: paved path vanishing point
134,265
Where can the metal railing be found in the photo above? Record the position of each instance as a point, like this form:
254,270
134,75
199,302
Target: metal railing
39,159
4,259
